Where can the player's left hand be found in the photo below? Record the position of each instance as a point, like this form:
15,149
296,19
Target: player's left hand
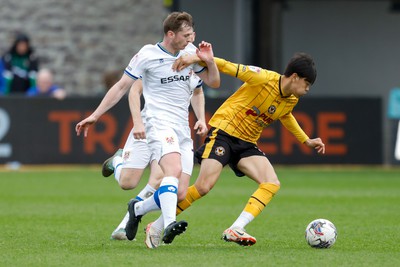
205,52
317,144
201,128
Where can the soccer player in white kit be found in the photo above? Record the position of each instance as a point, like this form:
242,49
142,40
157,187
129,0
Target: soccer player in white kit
136,156
128,164
167,97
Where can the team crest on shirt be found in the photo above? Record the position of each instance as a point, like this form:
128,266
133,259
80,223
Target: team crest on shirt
271,109
161,60
169,140
220,151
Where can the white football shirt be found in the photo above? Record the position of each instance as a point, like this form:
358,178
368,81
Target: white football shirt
167,93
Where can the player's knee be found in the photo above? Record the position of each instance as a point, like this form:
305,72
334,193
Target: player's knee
273,179
127,183
177,171
126,186
170,166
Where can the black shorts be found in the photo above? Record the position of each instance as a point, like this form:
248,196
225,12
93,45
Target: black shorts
226,149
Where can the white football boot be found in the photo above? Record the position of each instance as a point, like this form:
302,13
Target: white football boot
239,236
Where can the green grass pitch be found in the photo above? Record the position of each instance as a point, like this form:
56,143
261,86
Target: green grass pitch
64,217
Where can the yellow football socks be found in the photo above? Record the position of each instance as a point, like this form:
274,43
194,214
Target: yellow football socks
191,196
260,198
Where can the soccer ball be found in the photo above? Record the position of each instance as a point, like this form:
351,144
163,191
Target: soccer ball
321,233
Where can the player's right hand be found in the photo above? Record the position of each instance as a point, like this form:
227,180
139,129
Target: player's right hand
184,61
84,126
201,128
317,144
139,131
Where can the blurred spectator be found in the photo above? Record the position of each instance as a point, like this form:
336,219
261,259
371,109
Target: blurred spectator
45,86
2,81
20,66
111,77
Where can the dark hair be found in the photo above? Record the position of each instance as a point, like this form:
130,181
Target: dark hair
176,20
21,37
303,65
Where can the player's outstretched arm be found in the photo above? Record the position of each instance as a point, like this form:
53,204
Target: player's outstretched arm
110,99
84,125
317,144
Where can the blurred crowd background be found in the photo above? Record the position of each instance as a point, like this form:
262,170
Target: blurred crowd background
86,44
83,46
82,42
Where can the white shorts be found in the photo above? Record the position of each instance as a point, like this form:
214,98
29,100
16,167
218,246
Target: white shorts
187,159
136,153
165,137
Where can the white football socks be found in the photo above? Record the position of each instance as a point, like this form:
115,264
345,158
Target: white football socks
145,206
117,163
244,219
158,224
168,196
146,192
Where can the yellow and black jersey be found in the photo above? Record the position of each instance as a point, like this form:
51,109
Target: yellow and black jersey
255,105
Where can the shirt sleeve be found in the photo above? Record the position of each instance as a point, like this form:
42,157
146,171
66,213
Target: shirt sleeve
198,68
291,124
249,74
200,83
137,65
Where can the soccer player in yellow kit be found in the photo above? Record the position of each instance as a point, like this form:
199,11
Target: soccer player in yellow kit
264,97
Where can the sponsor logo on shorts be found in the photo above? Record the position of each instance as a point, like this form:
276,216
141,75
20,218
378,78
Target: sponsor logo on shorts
220,151
126,155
